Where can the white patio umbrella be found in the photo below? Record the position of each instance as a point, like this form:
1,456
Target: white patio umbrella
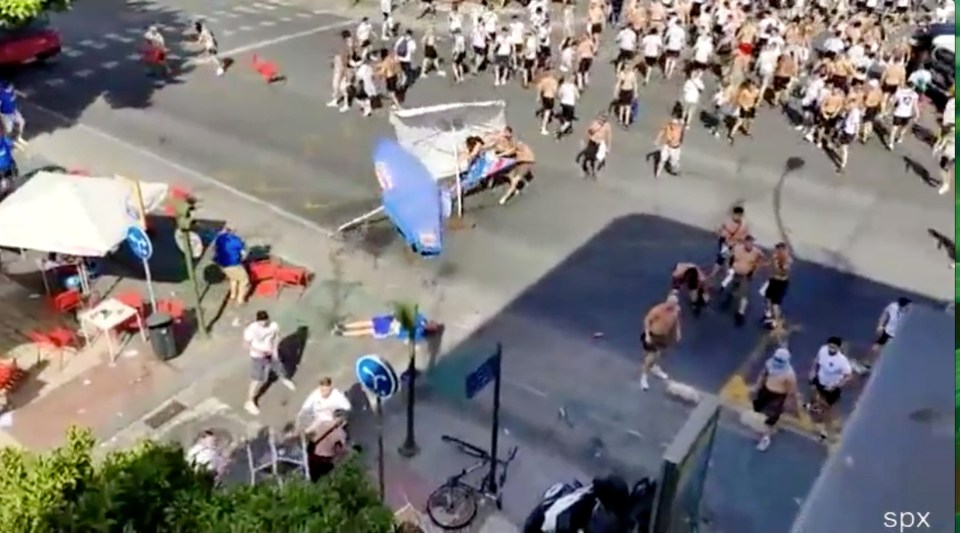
73,215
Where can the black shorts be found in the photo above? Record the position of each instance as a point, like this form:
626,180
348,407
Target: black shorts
902,9
547,103
656,345
596,28
689,280
901,121
567,113
776,290
883,338
747,114
650,60
625,96
365,43
430,52
543,53
584,66
528,63
502,61
771,404
391,84
841,82
459,58
672,54
845,139
870,114
946,163
780,83
827,123
697,65
626,56
480,51
362,95
889,88
590,151
829,396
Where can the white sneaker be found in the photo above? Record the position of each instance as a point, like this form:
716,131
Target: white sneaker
944,188
544,132
728,279
220,71
251,408
344,109
289,384
442,73
333,103
658,372
644,382
764,443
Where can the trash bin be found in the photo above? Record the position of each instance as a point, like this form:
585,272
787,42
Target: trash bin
162,339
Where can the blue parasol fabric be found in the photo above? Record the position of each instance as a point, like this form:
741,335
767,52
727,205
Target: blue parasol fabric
484,166
411,198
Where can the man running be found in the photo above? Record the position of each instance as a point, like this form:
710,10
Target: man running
156,52
668,140
598,139
568,94
690,277
208,42
546,95
775,289
521,175
746,259
906,107
746,100
661,329
625,93
830,373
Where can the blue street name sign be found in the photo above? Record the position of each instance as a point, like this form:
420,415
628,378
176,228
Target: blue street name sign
483,375
377,376
139,243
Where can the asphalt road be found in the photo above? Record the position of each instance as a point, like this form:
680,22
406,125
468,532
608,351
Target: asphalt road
571,258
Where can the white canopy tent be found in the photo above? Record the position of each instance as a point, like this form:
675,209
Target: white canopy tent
73,215
435,133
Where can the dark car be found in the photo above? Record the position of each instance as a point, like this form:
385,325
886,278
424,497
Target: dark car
35,41
934,48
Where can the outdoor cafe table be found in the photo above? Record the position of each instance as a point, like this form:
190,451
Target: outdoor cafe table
106,316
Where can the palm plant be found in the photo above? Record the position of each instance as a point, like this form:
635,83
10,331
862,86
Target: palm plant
405,313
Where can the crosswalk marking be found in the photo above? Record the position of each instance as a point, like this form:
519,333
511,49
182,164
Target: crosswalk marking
69,52
265,6
286,19
117,38
227,32
268,23
318,11
55,82
96,45
244,28
109,65
231,15
245,10
304,15
133,57
85,73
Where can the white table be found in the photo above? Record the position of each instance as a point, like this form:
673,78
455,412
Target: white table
106,316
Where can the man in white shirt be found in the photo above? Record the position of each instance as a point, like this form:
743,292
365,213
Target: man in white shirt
651,45
830,373
627,43
690,95
262,339
947,121
889,322
675,39
906,107
206,455
325,404
406,48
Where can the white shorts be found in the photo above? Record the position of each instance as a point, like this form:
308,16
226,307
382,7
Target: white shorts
670,155
11,122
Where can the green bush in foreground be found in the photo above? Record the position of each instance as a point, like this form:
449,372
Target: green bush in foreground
152,489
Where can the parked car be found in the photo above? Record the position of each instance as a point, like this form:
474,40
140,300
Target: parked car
33,42
934,48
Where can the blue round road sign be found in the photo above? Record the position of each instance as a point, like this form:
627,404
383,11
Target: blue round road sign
377,376
139,242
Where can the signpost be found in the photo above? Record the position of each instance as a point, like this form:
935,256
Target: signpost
489,370
140,245
378,377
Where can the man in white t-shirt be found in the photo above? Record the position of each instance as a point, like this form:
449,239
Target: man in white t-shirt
262,339
889,322
651,45
831,372
325,404
627,44
690,95
906,107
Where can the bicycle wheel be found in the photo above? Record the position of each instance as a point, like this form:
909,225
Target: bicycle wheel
453,506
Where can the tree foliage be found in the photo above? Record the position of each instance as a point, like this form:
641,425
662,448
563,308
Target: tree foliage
17,12
151,488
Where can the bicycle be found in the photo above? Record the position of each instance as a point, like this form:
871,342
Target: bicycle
455,504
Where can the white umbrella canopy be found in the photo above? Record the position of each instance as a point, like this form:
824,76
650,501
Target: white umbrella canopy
74,215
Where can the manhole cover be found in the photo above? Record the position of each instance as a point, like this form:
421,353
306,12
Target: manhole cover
161,417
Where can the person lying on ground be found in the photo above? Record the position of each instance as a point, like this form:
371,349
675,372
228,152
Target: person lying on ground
387,326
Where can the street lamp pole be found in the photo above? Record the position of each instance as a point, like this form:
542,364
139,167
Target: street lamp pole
409,447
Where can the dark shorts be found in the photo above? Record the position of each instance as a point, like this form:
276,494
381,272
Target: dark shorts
567,113
771,404
626,56
584,66
780,83
747,114
480,51
845,139
901,121
547,104
391,84
528,63
502,61
672,54
625,97
596,28
650,60
430,52
883,338
829,396
776,290
657,344
740,286
946,163
590,151
700,66
889,88
870,114
459,57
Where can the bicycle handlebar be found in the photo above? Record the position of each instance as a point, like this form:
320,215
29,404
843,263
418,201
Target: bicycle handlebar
477,452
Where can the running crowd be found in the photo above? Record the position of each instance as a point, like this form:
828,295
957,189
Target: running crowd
833,67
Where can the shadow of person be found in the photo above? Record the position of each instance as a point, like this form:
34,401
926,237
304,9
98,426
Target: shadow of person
291,348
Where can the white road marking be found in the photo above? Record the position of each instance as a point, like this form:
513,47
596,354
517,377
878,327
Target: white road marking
304,15
245,28
71,53
226,32
231,15
319,11
185,170
284,38
85,73
96,45
55,82
133,57
117,38
210,19
268,23
244,9
109,65
265,6
286,19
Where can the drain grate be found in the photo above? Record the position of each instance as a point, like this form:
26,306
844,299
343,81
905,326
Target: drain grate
164,415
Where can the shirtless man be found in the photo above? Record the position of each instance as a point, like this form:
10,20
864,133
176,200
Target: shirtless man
624,93
340,64
546,97
661,329
388,70
598,140
747,258
787,70
893,77
775,386
586,49
776,287
732,232
872,106
829,114
746,100
668,140
691,277
522,174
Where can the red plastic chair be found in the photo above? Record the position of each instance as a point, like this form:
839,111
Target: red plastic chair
66,301
57,339
133,299
10,376
292,276
174,308
262,270
179,192
267,287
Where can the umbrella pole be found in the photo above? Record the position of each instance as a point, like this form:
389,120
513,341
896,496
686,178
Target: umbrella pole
360,219
456,155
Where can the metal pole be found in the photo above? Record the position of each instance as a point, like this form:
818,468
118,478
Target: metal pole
192,276
456,155
380,450
409,447
495,430
149,279
360,219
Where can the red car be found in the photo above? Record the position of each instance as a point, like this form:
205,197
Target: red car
35,41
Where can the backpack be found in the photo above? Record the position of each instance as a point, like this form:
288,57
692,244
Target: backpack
402,47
